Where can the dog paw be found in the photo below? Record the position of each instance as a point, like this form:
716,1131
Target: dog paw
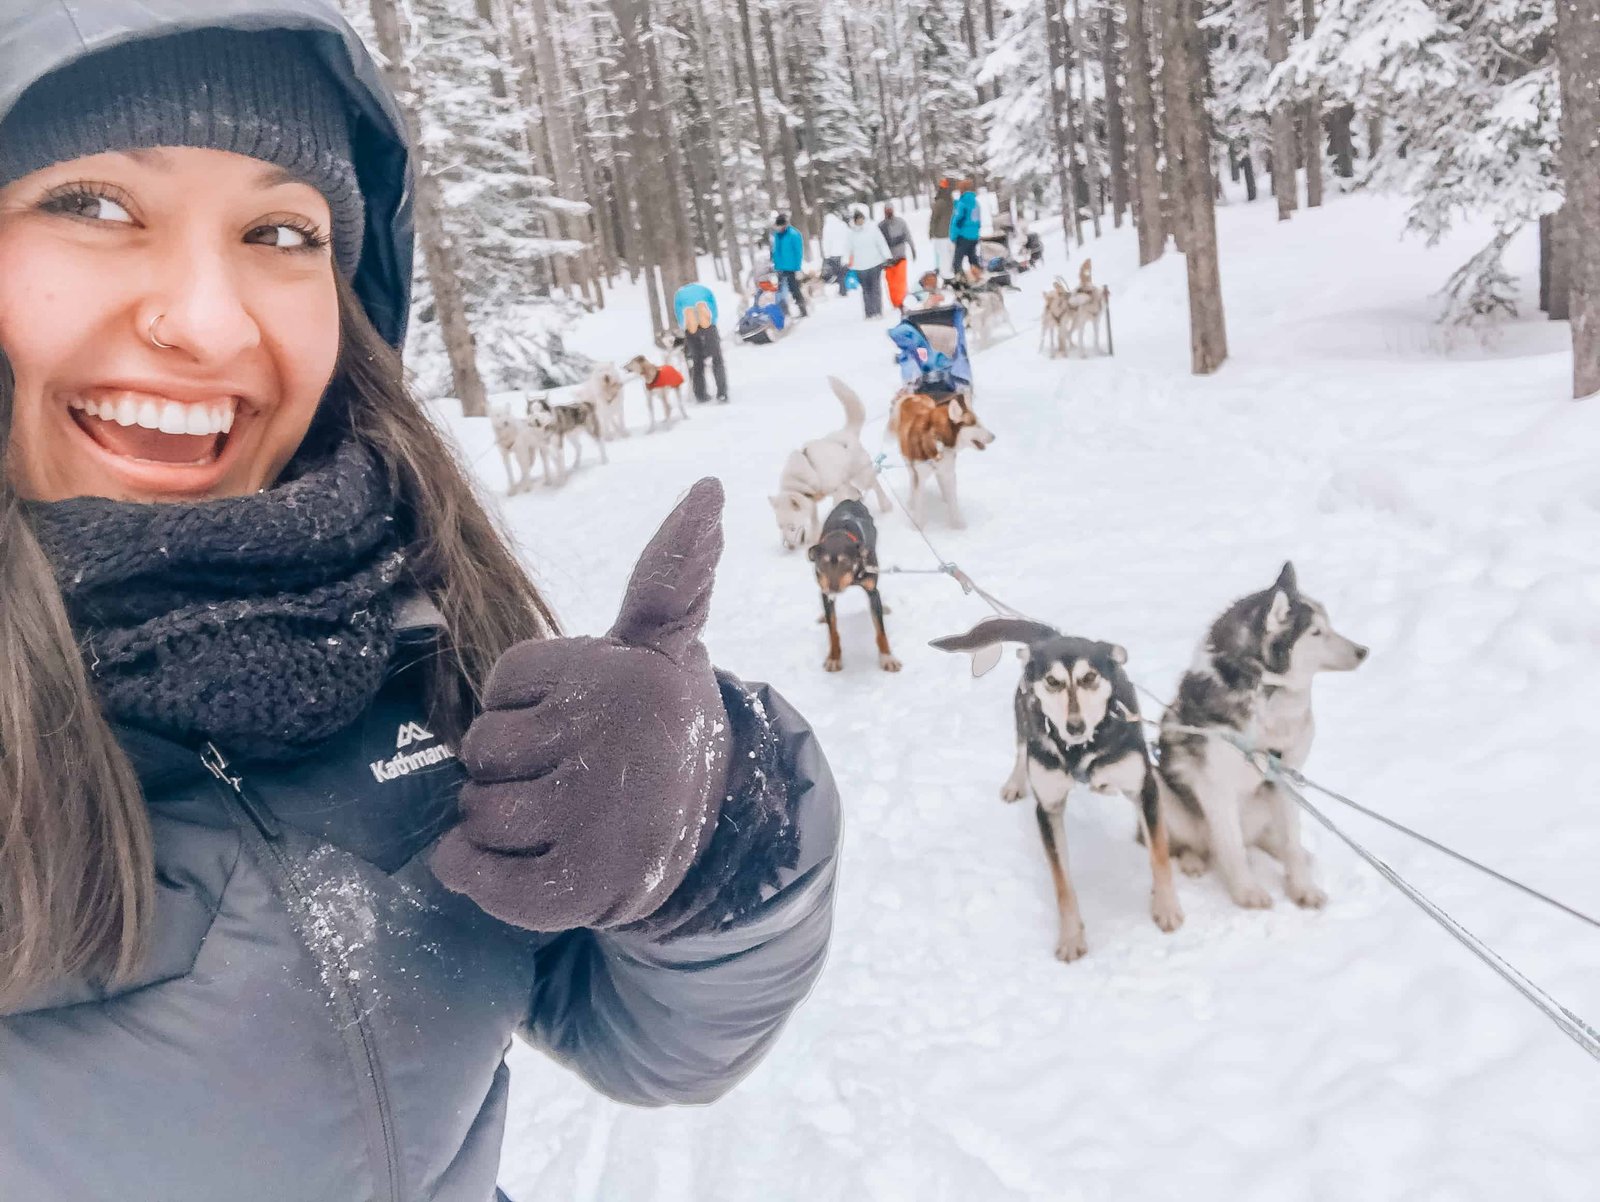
833,664
1192,863
1306,895
1251,896
888,663
1072,946
1013,791
1167,913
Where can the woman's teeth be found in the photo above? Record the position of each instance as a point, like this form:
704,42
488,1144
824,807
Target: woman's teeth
169,417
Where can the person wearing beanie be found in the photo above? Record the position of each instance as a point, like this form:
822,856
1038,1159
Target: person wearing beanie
308,807
788,257
869,253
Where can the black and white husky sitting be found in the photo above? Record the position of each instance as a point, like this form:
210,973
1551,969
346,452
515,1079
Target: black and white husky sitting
1077,723
1251,679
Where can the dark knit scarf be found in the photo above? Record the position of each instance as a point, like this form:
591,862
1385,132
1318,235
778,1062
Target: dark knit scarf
264,623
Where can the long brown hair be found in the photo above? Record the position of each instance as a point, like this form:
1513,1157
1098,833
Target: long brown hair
77,877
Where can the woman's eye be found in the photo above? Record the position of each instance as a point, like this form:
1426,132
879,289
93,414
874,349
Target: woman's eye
281,235
88,206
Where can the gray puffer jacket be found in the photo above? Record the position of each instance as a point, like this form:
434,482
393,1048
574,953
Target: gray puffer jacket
320,1020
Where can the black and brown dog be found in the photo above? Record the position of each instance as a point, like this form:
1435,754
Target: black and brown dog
847,554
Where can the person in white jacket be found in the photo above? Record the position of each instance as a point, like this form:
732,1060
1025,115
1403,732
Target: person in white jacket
869,253
835,250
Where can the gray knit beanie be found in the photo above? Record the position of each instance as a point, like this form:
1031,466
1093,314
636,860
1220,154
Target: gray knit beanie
259,94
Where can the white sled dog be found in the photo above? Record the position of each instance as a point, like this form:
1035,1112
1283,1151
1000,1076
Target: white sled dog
835,466
603,391
1252,678
521,441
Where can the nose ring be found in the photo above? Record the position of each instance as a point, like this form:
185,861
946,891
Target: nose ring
154,341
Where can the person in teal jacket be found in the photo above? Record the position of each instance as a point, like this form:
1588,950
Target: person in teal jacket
695,307
688,297
788,256
966,223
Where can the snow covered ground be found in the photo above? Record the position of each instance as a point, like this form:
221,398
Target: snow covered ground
1443,502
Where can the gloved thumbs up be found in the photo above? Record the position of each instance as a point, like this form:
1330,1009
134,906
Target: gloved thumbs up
598,764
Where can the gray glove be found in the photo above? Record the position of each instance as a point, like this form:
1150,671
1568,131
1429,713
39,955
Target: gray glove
599,765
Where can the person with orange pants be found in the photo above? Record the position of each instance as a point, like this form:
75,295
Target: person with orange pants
901,249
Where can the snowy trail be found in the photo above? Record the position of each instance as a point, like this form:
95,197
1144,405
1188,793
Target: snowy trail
1445,508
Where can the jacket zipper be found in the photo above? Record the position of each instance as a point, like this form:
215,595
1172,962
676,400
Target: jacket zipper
360,1044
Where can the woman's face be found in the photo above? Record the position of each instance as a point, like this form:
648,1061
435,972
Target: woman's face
223,259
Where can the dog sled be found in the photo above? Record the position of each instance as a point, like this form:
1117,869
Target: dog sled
767,318
931,349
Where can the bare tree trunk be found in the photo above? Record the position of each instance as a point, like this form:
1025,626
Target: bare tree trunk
1248,167
888,124
730,220
1116,121
438,251
1086,111
1341,140
786,142
1311,120
1147,214
541,71
1555,267
1284,152
679,263
1071,224
1188,139
767,149
1578,51
645,175
927,151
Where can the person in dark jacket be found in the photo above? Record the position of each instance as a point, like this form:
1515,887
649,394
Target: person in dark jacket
939,226
308,808
788,257
898,236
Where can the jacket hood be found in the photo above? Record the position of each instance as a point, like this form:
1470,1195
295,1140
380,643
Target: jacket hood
38,37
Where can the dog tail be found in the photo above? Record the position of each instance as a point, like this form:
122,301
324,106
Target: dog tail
983,641
855,413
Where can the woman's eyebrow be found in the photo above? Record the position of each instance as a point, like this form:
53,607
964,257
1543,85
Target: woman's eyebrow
272,177
149,157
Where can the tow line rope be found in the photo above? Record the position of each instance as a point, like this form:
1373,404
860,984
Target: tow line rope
1294,783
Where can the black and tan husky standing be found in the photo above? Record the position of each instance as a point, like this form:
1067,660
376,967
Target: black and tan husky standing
1077,723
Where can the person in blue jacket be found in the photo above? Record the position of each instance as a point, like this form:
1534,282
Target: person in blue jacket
966,225
788,257
309,808
695,307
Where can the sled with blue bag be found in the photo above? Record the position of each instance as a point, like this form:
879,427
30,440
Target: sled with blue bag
931,346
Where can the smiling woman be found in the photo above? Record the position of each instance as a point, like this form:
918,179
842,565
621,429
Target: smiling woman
189,330
294,832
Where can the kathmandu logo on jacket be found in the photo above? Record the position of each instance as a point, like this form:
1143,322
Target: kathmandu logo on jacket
404,762
411,732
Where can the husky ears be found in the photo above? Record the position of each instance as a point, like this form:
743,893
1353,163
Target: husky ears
1117,652
984,640
956,408
811,551
1283,593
